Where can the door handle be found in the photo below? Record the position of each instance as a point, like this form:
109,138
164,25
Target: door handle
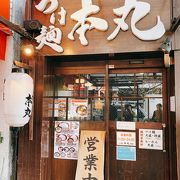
164,136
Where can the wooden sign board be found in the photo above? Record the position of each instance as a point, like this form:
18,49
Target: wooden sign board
125,41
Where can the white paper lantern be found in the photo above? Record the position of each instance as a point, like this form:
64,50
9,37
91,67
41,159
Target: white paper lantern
18,97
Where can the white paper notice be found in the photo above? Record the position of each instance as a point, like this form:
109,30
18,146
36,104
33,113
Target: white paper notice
124,125
150,139
172,104
66,139
125,138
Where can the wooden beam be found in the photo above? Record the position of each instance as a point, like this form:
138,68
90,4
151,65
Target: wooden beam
175,24
17,28
32,64
107,168
22,65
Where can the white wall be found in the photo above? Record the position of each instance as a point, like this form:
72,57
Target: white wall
5,68
12,52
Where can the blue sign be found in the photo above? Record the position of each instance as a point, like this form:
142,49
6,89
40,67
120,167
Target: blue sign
126,153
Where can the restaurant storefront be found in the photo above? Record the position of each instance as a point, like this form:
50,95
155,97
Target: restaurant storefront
101,78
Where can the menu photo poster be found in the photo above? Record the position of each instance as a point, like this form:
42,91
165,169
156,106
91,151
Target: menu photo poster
66,139
60,108
78,108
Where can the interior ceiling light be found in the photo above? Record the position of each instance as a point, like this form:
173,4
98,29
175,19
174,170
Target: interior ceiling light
81,81
88,84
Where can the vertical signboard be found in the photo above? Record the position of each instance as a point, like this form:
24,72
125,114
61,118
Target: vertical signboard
91,155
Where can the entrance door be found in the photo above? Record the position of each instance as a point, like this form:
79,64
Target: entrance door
74,93
137,125
129,104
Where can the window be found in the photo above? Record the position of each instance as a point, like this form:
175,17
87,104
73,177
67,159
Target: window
75,97
136,97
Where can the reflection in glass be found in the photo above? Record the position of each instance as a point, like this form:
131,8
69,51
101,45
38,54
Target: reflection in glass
133,97
79,97
157,114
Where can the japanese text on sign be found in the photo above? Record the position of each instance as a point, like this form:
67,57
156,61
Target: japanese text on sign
150,139
91,156
28,103
84,22
126,138
124,125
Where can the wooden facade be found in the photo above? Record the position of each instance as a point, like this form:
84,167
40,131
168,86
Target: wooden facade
33,164
36,163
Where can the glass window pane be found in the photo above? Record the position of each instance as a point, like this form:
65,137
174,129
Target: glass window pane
48,85
135,97
77,109
47,107
84,94
60,107
98,106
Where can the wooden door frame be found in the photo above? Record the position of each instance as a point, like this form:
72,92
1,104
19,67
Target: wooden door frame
151,65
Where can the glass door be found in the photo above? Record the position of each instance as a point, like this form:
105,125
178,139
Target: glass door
129,104
74,95
137,121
